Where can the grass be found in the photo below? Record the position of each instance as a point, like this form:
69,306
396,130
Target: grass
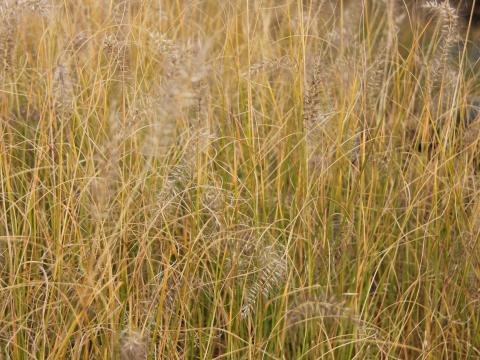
238,180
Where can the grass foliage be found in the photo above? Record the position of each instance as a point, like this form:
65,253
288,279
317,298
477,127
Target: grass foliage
196,179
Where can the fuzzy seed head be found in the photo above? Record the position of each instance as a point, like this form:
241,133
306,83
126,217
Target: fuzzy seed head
132,346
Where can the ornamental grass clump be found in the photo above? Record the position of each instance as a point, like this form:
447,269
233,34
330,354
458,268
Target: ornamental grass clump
239,180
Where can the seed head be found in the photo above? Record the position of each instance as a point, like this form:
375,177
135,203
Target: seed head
132,346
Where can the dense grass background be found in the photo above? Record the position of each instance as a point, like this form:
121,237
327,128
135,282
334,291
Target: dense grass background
238,179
